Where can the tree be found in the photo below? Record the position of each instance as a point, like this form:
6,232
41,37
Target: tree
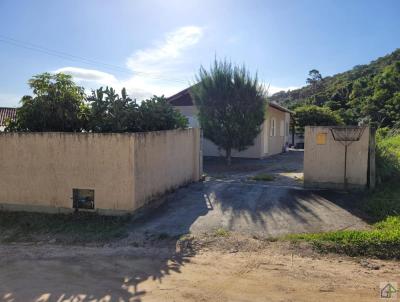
311,115
367,93
157,114
314,77
379,98
231,106
110,112
57,105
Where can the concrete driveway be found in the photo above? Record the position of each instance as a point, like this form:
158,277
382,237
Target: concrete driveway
229,199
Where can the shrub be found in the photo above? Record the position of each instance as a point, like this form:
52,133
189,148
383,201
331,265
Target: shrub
387,154
59,104
109,112
383,202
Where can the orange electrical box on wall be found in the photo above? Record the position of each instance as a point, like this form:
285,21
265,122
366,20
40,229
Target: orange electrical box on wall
321,138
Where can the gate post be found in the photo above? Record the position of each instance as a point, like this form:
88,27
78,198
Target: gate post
371,158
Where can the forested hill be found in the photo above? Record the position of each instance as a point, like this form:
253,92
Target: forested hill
365,93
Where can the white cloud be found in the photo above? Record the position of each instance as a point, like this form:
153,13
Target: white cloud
89,75
151,67
275,89
164,55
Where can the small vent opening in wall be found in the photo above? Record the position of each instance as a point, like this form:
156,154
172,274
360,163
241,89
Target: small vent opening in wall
83,199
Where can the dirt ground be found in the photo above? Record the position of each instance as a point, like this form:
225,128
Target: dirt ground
212,269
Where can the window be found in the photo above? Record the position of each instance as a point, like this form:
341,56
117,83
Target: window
83,198
282,128
272,129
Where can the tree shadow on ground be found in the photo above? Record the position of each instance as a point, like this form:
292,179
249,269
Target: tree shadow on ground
112,272
84,275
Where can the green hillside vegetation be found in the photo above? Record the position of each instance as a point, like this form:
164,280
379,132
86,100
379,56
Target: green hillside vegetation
368,93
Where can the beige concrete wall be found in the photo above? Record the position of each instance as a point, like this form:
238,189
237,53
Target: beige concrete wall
165,160
41,169
324,163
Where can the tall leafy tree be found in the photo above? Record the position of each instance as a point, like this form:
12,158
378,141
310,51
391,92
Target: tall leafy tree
311,115
231,106
314,78
57,104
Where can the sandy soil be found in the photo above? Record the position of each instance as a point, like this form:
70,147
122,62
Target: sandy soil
216,269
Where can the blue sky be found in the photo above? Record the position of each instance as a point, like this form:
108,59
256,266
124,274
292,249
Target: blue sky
157,46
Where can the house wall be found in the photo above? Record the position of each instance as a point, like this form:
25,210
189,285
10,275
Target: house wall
324,163
39,170
259,149
275,142
191,113
254,151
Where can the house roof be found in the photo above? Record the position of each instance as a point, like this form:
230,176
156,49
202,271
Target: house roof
279,107
183,98
6,113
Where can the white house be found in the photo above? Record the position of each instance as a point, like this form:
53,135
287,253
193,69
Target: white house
272,139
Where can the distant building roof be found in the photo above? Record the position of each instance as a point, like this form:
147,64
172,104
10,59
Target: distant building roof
183,98
6,113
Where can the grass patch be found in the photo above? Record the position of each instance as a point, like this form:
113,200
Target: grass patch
71,228
221,232
387,154
262,177
384,202
383,241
